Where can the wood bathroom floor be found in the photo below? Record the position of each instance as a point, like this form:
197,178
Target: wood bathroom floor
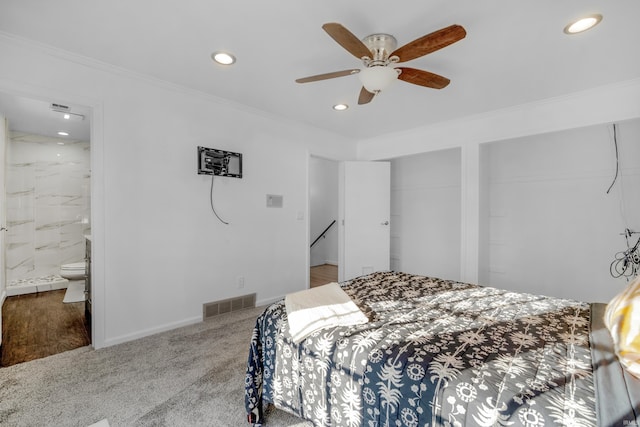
40,325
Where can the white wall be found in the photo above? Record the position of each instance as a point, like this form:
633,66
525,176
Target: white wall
323,209
552,227
598,106
425,214
605,104
158,251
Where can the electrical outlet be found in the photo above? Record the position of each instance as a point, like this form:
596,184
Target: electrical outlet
240,282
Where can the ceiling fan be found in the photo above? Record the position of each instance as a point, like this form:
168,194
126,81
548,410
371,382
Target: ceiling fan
378,54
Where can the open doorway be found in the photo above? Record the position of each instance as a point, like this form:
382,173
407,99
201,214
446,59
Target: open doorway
47,204
323,217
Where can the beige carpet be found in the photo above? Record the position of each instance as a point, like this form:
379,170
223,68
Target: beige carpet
192,376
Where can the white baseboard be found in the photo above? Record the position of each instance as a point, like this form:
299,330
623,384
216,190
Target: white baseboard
151,331
168,326
325,262
268,301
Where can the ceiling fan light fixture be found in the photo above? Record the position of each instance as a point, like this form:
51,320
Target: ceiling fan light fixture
223,58
583,24
379,55
377,78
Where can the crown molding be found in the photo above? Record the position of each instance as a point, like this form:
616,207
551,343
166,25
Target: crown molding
85,61
602,104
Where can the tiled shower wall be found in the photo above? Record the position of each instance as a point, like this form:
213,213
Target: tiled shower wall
48,202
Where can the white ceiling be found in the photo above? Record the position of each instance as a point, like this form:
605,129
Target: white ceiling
515,52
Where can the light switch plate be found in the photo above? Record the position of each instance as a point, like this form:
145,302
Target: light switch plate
274,201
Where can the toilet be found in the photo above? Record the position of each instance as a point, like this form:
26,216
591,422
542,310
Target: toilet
73,271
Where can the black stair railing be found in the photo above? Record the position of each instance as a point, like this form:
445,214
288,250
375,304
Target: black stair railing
322,234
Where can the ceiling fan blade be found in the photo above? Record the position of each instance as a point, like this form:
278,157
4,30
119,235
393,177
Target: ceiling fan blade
326,76
430,43
347,40
365,96
423,78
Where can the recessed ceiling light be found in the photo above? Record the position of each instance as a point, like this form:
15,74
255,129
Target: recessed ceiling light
68,116
63,133
60,143
223,58
340,107
583,24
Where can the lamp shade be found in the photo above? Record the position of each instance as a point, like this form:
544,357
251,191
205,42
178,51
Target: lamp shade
377,78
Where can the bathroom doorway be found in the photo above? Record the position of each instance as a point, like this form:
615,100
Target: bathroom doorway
48,202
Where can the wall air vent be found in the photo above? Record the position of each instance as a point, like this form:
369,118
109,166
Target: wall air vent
215,308
61,108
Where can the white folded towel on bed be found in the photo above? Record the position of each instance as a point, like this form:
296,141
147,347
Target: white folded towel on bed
318,308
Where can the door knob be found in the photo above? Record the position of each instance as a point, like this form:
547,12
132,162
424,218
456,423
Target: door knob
384,223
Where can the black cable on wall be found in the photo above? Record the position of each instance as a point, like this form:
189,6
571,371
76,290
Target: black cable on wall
615,143
211,202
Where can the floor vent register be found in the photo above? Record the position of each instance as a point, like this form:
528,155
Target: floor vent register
214,308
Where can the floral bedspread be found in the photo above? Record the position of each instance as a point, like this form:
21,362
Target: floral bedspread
434,353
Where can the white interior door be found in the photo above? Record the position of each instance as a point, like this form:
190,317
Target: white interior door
364,205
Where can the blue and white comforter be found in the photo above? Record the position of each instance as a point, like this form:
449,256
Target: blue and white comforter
434,353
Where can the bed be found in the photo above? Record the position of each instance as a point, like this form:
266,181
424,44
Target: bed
438,352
